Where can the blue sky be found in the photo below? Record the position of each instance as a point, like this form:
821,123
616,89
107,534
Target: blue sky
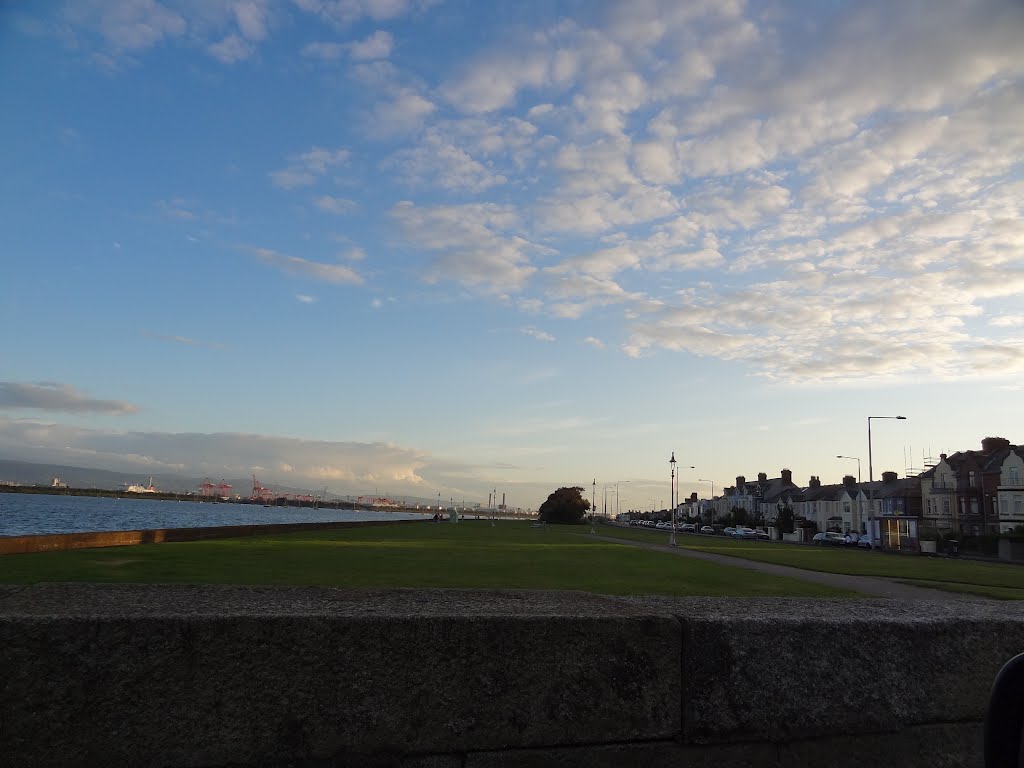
441,246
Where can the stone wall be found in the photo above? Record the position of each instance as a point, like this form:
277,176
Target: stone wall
129,675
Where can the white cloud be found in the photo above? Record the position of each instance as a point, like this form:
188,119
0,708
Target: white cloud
303,298
231,49
346,12
129,26
376,46
339,206
252,17
324,51
402,112
183,340
53,396
594,342
306,169
536,333
438,162
477,244
328,273
1007,321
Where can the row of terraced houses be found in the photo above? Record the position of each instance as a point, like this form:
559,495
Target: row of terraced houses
969,492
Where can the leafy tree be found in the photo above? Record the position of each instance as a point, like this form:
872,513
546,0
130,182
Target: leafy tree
740,516
566,505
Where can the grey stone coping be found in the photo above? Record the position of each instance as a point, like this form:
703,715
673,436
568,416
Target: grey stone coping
779,669
183,675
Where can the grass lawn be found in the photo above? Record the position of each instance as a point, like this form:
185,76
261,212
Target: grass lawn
991,579
511,555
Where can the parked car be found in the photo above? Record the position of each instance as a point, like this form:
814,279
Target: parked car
662,525
864,542
688,528
707,529
742,532
828,537
762,534
730,531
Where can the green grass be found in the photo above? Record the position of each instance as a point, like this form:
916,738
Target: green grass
511,555
941,573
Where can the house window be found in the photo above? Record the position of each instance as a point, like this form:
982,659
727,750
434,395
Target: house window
1018,507
929,507
1014,476
945,507
972,479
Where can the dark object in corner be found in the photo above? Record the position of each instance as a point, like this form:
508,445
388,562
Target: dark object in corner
1004,721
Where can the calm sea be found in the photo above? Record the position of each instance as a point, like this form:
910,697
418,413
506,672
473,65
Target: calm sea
22,514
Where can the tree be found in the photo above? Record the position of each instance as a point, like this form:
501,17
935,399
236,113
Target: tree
566,505
785,520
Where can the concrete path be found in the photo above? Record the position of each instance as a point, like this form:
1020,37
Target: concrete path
875,586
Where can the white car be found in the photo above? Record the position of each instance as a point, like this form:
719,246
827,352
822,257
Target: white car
706,529
730,531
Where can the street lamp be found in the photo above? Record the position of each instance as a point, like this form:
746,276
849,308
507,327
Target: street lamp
593,500
860,494
617,496
871,477
671,495
712,520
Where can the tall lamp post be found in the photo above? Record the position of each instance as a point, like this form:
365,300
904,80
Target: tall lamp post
617,496
593,500
860,495
712,520
671,495
871,478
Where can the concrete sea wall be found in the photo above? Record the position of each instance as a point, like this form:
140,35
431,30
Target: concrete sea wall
53,542
132,675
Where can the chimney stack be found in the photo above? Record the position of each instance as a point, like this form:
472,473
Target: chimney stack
889,477
762,477
990,444
740,481
815,482
849,481
787,477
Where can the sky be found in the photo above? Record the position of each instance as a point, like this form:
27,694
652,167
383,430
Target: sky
446,247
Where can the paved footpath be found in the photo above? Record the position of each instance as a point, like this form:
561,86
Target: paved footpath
875,586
